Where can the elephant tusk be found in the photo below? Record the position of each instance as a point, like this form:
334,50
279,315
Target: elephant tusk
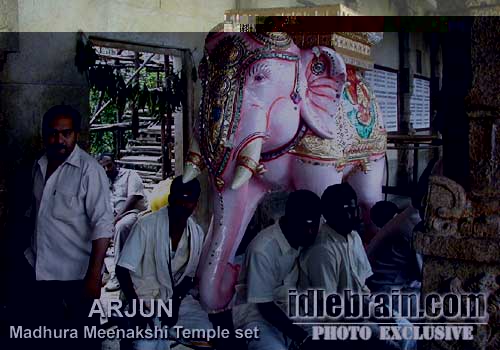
194,164
241,176
247,164
191,171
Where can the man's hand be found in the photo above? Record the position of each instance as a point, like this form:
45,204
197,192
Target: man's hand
142,322
183,288
306,344
92,280
91,288
299,334
172,321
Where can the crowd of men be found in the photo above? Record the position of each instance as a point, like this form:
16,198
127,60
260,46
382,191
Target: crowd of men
86,208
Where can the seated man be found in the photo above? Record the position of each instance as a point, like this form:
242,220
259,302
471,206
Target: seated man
128,200
160,258
382,212
270,269
394,262
337,260
396,265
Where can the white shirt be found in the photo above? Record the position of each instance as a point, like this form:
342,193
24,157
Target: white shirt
335,263
146,255
270,270
127,183
72,209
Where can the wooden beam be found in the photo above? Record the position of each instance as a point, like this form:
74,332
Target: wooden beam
116,126
98,41
126,84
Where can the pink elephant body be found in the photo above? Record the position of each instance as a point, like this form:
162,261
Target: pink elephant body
277,118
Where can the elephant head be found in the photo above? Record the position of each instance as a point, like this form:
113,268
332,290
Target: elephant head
259,92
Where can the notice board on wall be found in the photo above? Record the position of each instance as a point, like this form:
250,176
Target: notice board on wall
420,103
384,82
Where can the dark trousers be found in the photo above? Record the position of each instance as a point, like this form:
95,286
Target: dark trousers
57,305
61,306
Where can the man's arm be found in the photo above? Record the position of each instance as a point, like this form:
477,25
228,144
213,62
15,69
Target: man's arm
135,193
262,279
92,280
130,204
100,216
126,284
274,315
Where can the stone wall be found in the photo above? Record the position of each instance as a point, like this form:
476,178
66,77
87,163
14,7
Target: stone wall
461,241
121,15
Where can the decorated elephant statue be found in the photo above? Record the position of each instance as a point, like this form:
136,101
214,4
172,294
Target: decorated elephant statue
274,117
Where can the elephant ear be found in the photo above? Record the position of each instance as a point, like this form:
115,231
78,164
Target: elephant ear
324,75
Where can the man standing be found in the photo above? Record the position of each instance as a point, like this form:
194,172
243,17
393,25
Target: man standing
74,223
270,270
128,200
160,258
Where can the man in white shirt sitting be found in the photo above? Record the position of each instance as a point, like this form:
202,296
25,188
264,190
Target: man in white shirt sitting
337,259
128,200
270,270
160,258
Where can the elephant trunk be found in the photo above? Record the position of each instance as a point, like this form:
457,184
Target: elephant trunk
216,272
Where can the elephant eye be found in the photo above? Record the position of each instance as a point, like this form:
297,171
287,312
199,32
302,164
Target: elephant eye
259,77
259,72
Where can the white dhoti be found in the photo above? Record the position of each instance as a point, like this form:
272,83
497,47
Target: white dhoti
122,231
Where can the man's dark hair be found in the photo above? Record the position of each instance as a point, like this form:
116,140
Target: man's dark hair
334,198
178,188
104,155
382,212
61,110
302,204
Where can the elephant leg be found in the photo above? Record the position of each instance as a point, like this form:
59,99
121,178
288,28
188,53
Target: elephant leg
216,273
314,178
368,187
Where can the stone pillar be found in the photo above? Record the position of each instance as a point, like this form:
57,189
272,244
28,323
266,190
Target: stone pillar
461,242
405,92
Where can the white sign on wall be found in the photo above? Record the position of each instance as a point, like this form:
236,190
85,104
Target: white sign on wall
420,104
385,87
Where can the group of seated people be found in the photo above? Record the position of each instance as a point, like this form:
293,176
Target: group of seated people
314,245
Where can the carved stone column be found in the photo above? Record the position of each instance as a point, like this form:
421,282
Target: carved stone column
461,245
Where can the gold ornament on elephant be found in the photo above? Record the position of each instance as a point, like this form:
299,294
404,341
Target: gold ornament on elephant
196,160
248,163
